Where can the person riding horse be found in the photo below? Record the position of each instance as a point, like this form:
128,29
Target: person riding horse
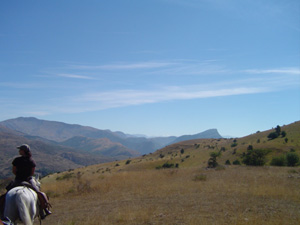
23,169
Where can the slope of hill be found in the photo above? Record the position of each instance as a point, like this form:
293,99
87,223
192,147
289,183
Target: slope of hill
193,153
55,131
102,146
140,191
197,151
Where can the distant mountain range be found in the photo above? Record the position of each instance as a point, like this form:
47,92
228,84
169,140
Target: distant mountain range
59,146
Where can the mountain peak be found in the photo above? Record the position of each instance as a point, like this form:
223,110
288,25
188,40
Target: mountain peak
211,133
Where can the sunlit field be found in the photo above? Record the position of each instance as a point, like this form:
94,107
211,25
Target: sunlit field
226,195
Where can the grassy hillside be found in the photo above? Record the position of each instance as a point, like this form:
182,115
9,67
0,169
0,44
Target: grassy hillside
124,194
196,152
136,192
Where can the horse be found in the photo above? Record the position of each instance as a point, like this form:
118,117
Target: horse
22,204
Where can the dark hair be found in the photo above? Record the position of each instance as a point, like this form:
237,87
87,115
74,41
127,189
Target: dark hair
28,154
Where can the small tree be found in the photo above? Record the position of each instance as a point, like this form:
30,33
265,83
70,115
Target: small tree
212,162
250,147
292,159
278,130
233,144
236,162
273,135
255,157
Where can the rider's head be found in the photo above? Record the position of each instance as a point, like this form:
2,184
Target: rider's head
24,150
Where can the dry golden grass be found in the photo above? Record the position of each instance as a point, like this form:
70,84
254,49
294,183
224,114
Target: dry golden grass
192,196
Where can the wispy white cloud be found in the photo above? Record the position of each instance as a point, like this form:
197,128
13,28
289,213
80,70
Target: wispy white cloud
124,66
122,98
171,67
274,71
75,76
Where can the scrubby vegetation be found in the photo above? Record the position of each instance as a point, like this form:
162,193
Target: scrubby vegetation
255,157
289,159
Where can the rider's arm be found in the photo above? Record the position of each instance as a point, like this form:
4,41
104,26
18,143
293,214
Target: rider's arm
14,170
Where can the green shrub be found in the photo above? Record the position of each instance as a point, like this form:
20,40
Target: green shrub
279,161
212,162
167,166
292,159
65,176
273,135
255,157
278,130
236,162
227,162
250,147
233,144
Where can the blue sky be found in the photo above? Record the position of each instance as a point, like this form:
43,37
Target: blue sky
153,67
